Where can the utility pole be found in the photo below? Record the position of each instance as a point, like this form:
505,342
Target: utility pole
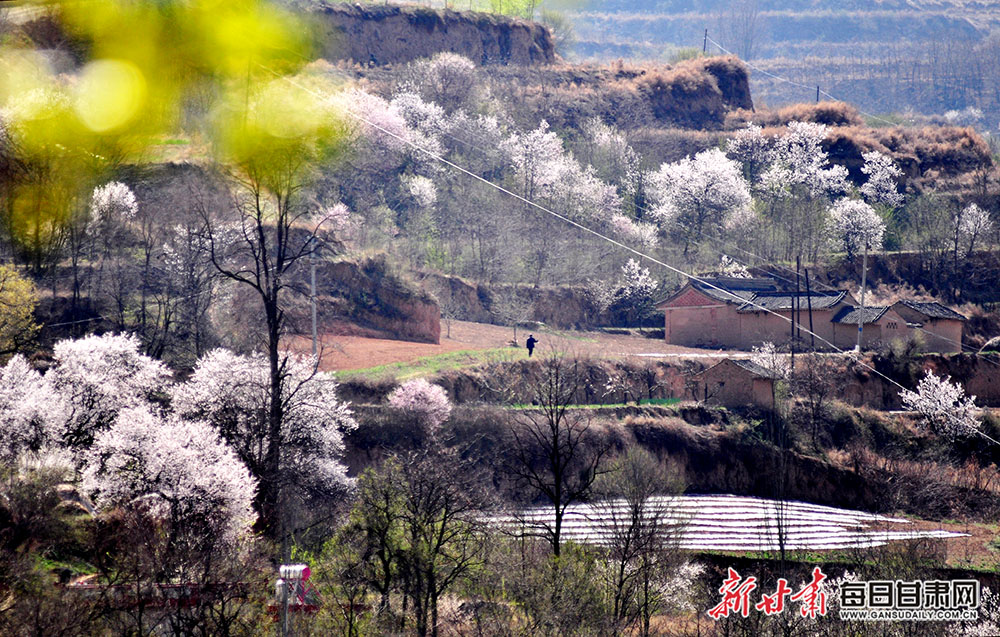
812,332
817,93
312,290
864,274
704,44
281,588
791,340
798,299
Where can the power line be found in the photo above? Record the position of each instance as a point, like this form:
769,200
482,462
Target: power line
567,220
799,84
723,250
588,230
962,346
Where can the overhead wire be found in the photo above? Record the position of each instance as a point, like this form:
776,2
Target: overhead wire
962,346
799,84
724,249
532,204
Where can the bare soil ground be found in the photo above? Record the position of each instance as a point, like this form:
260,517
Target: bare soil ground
974,551
356,352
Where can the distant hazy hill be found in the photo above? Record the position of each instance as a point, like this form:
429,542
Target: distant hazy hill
891,56
780,28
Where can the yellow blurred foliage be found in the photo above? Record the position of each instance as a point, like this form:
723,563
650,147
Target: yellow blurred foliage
109,95
149,60
17,311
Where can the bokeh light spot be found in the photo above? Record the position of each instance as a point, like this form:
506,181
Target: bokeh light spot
110,94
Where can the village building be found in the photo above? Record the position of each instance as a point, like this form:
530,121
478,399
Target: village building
735,313
735,383
940,327
881,325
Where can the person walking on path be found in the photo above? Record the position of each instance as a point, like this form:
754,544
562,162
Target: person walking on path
531,344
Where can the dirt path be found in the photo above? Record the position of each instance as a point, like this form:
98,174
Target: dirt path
356,352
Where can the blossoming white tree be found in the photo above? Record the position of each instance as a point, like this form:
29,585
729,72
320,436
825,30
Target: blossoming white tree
421,190
799,161
425,121
881,187
700,194
112,203
448,79
32,414
577,192
642,234
767,356
943,406
427,401
635,296
232,392
99,376
797,187
856,226
752,150
545,173
971,223
534,156
180,472
615,162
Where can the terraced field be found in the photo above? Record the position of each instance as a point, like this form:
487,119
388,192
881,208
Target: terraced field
734,523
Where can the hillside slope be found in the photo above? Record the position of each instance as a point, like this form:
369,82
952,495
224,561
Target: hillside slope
389,34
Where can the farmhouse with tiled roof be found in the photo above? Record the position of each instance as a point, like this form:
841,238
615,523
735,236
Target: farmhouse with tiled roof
733,382
741,313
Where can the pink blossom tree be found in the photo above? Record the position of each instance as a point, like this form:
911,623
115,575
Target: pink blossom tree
427,401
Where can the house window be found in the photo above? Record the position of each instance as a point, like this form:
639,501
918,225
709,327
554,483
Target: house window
892,325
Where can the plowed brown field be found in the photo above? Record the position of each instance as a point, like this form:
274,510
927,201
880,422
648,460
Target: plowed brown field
356,352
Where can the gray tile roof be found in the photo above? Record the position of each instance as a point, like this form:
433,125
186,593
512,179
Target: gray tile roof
748,294
851,314
933,310
783,301
755,369
745,364
732,289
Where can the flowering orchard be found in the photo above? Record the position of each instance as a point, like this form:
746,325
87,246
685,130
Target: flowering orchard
195,460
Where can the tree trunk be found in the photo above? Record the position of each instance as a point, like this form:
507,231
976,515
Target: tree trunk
270,486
